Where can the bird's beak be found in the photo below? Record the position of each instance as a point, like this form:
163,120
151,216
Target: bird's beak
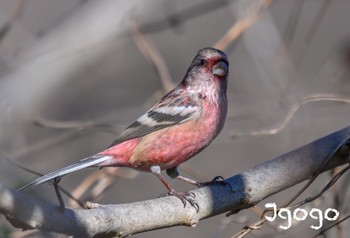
220,69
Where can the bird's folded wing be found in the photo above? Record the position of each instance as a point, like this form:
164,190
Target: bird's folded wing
158,118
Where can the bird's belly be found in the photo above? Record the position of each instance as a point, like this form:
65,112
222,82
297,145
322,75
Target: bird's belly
170,147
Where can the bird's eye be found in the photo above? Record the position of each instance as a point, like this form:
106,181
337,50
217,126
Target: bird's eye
202,62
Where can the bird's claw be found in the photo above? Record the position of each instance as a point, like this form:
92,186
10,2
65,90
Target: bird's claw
184,197
217,180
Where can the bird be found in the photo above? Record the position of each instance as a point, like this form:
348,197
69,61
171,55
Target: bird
179,126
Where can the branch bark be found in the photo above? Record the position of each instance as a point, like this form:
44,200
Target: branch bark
248,188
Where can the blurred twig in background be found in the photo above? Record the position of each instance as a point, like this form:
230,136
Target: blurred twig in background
310,35
98,182
17,12
291,112
153,56
73,125
60,18
174,19
64,191
241,25
292,24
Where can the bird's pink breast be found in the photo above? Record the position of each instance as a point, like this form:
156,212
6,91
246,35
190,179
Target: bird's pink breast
167,147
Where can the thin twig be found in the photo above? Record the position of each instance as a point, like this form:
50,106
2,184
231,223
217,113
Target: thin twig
58,194
84,186
342,150
63,190
101,187
326,188
310,35
258,225
59,19
107,176
179,17
293,22
246,230
76,125
17,12
333,225
336,200
153,56
291,112
43,144
240,26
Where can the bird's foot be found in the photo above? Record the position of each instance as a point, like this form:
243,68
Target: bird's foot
184,197
218,180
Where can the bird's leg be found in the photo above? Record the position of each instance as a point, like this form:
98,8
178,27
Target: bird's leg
58,194
183,196
174,173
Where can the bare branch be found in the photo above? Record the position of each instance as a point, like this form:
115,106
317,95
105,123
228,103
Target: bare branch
248,189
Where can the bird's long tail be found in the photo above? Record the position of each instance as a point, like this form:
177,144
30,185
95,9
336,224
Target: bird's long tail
87,162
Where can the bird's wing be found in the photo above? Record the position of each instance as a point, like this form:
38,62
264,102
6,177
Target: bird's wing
170,110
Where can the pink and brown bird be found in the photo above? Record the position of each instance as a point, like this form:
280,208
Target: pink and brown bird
179,126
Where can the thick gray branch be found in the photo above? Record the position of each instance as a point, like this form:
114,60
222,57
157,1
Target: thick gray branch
248,188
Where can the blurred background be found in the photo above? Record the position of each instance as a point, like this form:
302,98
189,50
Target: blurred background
74,73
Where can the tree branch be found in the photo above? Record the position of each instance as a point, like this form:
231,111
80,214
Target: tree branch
248,189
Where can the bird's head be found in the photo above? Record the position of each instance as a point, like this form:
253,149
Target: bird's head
208,70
